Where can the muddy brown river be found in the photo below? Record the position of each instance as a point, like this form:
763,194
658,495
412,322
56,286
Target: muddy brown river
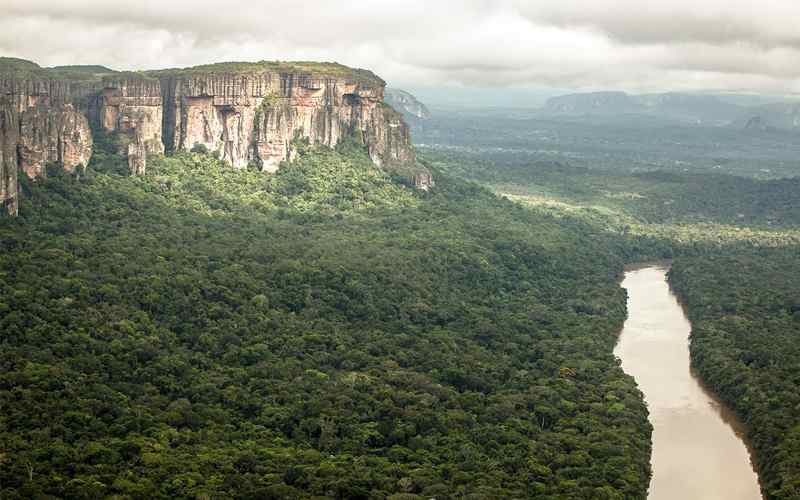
698,452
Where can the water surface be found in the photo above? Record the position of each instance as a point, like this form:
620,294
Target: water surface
698,452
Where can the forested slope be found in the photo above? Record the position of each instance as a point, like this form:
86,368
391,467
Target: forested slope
326,332
745,313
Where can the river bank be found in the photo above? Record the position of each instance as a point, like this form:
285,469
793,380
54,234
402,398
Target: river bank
698,446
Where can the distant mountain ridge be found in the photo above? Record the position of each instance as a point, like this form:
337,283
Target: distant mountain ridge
698,109
694,108
593,103
405,102
775,116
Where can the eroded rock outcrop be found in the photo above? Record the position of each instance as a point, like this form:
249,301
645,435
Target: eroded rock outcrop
407,104
53,134
137,156
131,108
41,123
9,137
246,113
253,118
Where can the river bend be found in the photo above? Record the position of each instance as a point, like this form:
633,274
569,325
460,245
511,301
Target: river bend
698,452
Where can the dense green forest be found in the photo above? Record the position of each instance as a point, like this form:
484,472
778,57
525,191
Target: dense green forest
622,144
657,214
745,313
329,332
203,332
736,244
650,197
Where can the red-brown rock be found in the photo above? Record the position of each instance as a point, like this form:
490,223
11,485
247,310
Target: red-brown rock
250,114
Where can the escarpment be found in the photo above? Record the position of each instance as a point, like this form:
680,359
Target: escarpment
40,123
249,114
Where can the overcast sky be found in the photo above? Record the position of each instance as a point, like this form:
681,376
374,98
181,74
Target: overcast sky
637,45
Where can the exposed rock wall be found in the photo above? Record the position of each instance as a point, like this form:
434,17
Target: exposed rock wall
132,108
53,134
253,118
137,156
9,137
41,122
407,104
246,117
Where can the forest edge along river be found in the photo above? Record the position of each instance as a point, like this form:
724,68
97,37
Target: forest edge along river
699,451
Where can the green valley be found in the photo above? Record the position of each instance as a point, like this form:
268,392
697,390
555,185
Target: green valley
207,332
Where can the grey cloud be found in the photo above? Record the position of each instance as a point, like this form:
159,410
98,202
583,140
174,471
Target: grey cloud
651,45
766,24
310,22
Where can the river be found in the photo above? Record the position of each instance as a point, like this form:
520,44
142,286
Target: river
698,451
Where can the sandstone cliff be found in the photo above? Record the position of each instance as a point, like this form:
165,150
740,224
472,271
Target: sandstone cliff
39,124
247,113
406,103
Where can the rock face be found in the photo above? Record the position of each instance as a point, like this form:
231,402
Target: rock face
252,118
39,124
9,137
407,104
137,156
246,113
52,134
132,109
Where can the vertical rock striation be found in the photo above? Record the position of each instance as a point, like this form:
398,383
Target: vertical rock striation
41,122
9,137
52,134
254,117
407,104
246,113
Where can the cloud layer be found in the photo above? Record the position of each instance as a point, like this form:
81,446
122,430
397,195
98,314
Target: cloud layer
626,44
